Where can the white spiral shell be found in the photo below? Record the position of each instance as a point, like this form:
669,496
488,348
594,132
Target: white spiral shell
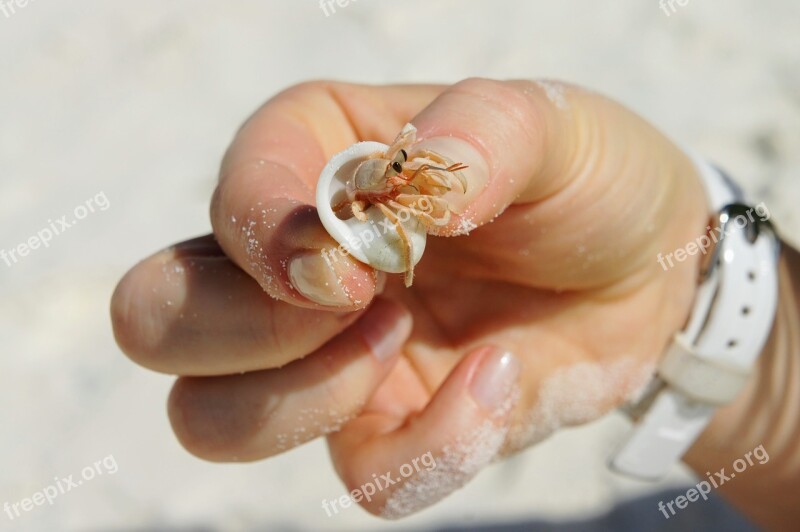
374,242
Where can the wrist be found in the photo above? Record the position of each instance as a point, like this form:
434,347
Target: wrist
767,414
712,358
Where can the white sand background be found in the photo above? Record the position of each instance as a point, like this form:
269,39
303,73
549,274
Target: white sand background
138,100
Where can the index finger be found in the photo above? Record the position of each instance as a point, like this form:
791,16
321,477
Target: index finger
263,211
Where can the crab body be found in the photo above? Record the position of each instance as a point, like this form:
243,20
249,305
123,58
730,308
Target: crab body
401,179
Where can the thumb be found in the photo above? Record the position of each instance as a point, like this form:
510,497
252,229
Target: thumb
394,472
589,191
497,129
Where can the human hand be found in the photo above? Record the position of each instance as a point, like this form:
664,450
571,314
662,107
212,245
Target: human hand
551,315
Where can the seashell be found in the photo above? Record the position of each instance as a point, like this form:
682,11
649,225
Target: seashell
379,201
376,241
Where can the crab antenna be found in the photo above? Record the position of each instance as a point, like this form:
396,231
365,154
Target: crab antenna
453,168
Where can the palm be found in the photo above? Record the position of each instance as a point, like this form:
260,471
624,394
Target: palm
457,307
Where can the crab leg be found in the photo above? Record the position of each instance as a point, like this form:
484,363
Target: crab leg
405,139
401,232
357,207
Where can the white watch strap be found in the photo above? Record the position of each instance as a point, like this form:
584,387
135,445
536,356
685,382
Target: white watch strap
709,361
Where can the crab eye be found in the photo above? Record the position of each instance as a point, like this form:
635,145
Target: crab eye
397,167
401,157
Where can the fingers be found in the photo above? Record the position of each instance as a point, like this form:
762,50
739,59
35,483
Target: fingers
256,415
579,170
262,211
454,437
189,310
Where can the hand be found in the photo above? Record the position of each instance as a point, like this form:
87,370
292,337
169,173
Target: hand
551,315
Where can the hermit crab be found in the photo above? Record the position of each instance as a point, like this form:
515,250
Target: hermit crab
379,201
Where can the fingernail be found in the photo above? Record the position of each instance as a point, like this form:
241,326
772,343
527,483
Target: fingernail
312,276
495,379
383,329
461,151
